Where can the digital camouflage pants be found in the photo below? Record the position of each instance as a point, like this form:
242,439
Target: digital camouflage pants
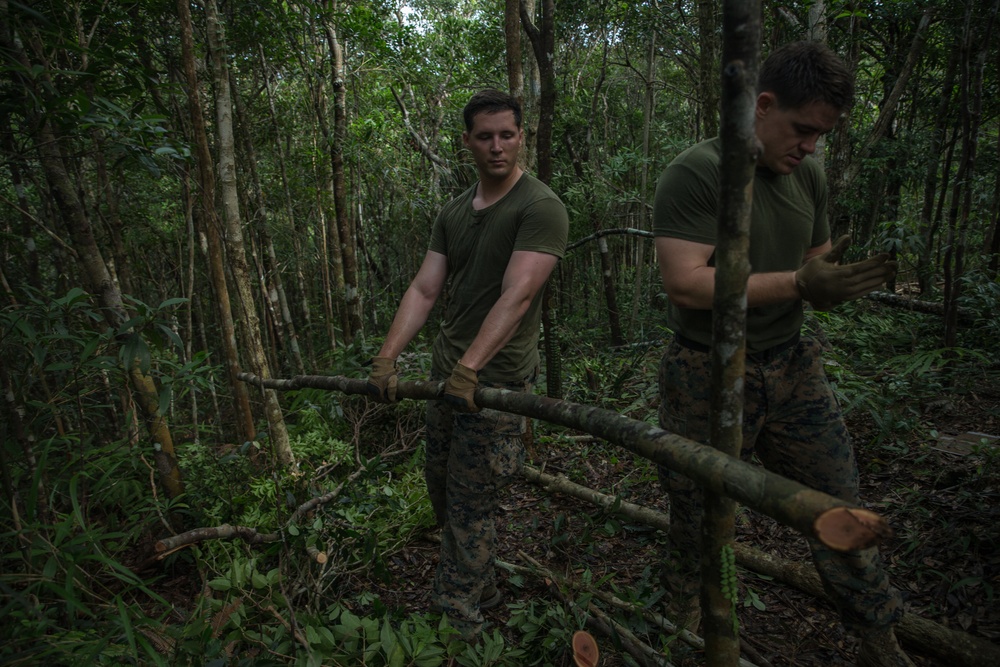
470,459
792,422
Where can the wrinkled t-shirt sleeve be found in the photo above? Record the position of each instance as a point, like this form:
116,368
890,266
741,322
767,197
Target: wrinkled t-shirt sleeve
685,205
544,227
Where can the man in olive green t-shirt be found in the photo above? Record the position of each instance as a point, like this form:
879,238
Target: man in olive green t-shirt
791,417
494,246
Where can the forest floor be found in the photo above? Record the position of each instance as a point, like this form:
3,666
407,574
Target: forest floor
939,495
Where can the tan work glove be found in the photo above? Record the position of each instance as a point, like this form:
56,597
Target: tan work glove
825,283
460,389
382,380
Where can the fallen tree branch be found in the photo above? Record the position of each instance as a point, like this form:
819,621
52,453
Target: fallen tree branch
953,647
627,231
789,502
965,315
252,535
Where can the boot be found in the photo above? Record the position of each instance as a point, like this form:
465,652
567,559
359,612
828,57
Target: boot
880,648
490,597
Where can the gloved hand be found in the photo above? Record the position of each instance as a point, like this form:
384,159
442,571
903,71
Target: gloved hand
825,283
383,379
460,389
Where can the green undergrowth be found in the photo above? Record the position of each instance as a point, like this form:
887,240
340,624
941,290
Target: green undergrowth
79,584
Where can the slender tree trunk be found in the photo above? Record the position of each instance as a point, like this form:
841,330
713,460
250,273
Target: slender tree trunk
246,430
708,68
273,266
925,268
741,30
297,249
887,111
345,227
94,269
99,282
543,44
645,212
978,30
512,34
256,357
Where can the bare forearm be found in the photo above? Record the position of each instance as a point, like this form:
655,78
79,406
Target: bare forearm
762,289
406,324
498,328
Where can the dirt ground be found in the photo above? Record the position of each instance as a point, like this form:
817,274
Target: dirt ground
940,496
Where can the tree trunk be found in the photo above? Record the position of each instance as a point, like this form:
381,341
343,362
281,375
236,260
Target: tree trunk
99,282
978,30
925,268
94,269
299,256
645,212
236,251
273,266
741,29
543,44
512,34
246,430
887,110
708,68
345,227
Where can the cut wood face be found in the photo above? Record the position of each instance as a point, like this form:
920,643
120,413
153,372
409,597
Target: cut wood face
585,651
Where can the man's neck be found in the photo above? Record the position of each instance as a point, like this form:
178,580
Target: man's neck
491,191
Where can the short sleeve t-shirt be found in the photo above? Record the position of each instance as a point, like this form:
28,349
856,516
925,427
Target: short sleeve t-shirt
478,245
788,218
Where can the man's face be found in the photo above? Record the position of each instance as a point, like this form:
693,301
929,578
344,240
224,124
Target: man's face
787,135
495,141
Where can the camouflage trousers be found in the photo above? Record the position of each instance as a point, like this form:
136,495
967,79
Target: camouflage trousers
793,424
471,458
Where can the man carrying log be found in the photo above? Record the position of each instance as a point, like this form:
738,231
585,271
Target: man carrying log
494,246
791,417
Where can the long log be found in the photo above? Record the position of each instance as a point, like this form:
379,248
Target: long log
965,315
810,512
953,647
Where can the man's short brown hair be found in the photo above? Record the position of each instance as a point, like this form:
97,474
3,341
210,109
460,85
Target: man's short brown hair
490,101
802,72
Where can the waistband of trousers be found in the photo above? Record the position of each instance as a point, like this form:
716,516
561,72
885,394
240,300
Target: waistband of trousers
762,357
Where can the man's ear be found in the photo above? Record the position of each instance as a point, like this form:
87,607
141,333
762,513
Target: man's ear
766,101
465,138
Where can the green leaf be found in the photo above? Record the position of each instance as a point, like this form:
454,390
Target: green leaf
166,395
293,530
174,301
220,584
125,617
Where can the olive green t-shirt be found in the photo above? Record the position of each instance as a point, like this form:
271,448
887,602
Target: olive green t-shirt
479,245
788,218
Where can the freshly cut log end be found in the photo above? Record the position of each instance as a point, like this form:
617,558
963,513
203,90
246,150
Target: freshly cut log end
851,529
585,653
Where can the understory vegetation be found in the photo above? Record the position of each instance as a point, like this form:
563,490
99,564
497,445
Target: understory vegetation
82,583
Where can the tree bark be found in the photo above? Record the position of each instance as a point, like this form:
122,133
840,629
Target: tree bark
94,269
887,111
256,357
925,268
741,29
708,68
543,44
512,35
245,428
345,227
